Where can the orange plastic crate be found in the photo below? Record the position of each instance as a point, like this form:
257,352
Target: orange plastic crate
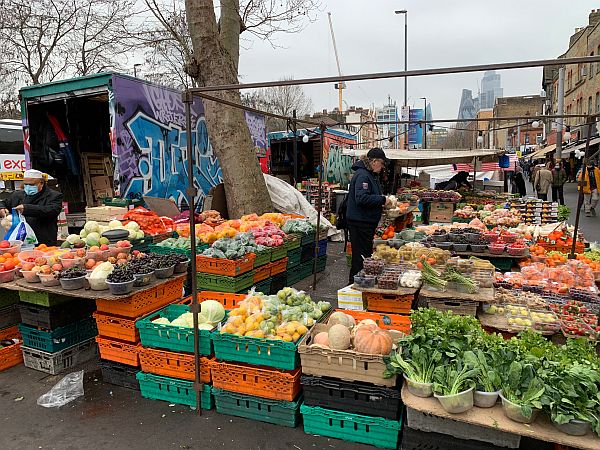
173,364
119,351
117,327
10,356
257,381
389,303
144,302
262,273
278,266
228,267
229,301
9,333
384,321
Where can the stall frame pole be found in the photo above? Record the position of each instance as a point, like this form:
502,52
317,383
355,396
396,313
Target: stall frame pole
188,99
590,122
319,205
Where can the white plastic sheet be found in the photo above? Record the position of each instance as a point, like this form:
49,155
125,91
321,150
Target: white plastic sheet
287,199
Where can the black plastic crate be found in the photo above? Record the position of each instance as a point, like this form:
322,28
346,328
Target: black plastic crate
50,318
308,252
356,398
119,374
278,282
9,316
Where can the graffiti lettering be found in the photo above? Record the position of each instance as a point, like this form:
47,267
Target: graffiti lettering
256,125
163,163
167,106
339,166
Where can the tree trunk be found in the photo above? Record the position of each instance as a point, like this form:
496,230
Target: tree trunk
217,56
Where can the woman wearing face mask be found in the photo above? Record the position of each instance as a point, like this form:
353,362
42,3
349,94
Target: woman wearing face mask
38,203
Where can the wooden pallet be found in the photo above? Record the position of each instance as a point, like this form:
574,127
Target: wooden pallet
94,165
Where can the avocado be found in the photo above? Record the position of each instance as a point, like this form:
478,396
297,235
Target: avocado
66,244
79,244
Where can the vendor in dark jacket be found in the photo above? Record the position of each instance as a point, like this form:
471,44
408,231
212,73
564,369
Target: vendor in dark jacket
38,203
365,204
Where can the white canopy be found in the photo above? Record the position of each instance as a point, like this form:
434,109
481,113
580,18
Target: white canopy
431,157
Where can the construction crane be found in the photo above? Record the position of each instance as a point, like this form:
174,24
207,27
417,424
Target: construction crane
341,85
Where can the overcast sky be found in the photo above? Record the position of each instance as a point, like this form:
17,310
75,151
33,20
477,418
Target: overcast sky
370,38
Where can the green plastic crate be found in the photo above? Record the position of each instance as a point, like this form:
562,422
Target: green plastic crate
8,297
504,264
44,298
60,338
263,286
294,258
321,263
162,250
377,431
256,351
170,337
221,283
299,273
277,412
278,253
122,202
291,242
263,257
173,390
307,238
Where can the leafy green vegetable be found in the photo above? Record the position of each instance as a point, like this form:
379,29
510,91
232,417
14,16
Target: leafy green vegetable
487,378
454,378
522,387
419,368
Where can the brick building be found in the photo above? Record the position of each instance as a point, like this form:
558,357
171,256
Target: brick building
368,135
582,81
516,134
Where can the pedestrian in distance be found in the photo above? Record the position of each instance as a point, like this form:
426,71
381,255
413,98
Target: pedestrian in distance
591,178
365,205
38,203
543,181
559,178
519,182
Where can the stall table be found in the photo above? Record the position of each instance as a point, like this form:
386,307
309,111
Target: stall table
399,291
88,293
492,421
485,295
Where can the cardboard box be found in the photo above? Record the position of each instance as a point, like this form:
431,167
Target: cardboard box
105,213
162,206
349,298
441,212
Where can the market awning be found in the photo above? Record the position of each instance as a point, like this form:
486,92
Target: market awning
541,153
581,147
432,157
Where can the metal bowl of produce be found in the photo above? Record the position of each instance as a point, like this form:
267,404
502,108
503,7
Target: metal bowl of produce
143,279
120,288
165,272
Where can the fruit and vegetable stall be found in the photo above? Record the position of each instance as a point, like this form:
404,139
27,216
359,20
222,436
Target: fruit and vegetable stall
429,336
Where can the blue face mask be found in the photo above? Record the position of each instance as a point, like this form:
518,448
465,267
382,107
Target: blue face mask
30,190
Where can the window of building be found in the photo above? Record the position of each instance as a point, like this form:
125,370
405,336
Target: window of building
597,101
590,110
570,80
591,67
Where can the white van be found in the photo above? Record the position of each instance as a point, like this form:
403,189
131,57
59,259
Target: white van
12,151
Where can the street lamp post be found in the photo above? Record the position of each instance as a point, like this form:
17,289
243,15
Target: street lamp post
424,123
405,12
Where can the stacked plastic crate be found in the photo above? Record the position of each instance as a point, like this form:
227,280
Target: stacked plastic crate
58,331
10,354
167,354
224,275
119,338
257,379
345,394
307,252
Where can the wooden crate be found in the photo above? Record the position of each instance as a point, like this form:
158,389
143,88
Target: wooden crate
441,212
104,213
460,307
94,165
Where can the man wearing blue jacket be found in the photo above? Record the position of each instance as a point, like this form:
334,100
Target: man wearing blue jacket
365,205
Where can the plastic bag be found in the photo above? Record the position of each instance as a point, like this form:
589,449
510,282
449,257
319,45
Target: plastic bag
20,230
63,392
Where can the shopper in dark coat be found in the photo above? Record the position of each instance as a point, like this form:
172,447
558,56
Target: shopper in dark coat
39,204
365,205
519,181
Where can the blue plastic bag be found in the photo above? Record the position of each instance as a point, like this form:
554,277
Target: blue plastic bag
20,230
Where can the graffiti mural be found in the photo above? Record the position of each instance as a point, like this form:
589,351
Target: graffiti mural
338,167
257,127
151,142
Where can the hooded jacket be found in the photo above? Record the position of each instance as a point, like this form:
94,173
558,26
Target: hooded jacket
40,210
365,197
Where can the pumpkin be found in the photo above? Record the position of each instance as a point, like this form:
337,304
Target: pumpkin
339,337
361,323
339,317
371,339
321,339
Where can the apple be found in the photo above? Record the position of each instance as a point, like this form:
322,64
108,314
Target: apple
90,263
46,269
122,256
27,266
120,262
94,248
112,260
68,256
40,261
80,252
104,247
4,244
57,267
